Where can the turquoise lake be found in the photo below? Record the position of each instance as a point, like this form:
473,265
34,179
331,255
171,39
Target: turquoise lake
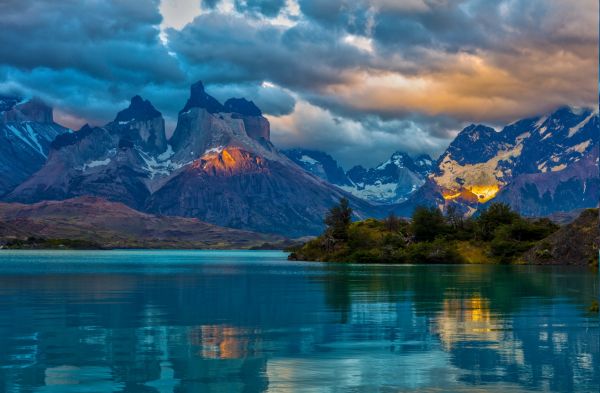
250,321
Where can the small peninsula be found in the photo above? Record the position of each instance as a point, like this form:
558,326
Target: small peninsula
497,235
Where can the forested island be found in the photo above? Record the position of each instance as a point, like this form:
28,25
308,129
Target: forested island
497,234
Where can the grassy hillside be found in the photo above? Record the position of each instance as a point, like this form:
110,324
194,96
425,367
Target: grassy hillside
496,235
88,222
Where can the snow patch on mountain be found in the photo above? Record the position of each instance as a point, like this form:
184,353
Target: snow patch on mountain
558,167
392,181
308,160
574,130
452,177
160,165
541,121
374,192
580,147
27,135
214,150
96,163
167,154
34,138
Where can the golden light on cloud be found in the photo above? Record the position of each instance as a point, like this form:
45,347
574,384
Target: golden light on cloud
475,86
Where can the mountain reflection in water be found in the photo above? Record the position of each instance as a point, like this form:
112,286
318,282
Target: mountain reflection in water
190,321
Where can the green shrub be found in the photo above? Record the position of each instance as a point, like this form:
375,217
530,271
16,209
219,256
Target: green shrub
490,219
439,251
428,223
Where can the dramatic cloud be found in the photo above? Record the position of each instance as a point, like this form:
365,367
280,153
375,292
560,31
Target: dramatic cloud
367,142
357,78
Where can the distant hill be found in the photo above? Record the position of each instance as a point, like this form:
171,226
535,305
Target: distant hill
114,225
573,244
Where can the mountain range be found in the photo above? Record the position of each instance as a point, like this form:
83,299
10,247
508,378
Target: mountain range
392,181
539,166
220,167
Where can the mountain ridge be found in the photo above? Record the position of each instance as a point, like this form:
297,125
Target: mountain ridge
538,165
392,181
27,130
114,225
217,166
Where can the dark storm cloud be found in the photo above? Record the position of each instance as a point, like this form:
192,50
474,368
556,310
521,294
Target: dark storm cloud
231,48
84,57
270,99
361,78
104,39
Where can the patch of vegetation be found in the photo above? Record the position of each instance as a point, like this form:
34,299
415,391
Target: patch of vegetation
34,243
497,235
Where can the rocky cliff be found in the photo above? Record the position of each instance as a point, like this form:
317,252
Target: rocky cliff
392,181
27,129
539,166
574,244
219,166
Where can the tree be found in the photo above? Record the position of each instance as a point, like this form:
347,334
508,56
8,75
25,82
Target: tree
338,220
496,215
427,224
392,222
454,218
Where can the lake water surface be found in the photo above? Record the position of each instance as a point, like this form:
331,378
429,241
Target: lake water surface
250,321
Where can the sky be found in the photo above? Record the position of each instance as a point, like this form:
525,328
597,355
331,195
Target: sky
355,78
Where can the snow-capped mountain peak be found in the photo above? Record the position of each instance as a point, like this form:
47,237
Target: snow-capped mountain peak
538,165
26,131
391,181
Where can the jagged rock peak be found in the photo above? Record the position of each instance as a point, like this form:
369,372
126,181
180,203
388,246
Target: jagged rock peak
71,138
34,110
138,110
400,157
425,158
478,134
7,102
242,106
474,129
200,99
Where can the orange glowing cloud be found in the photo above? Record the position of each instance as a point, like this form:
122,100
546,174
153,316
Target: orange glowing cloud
476,87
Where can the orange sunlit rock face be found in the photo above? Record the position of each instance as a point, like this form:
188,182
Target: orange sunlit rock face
479,194
485,193
230,160
451,195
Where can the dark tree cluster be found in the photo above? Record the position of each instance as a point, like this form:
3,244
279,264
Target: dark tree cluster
496,235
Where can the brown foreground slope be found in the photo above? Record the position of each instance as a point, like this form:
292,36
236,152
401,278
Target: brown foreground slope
114,225
573,244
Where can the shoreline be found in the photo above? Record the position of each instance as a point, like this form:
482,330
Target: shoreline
289,253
